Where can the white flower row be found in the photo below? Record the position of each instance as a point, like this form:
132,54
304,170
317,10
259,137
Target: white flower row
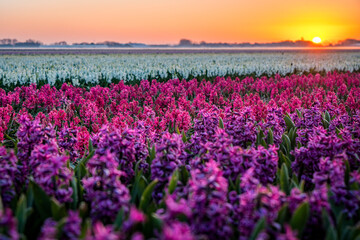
90,69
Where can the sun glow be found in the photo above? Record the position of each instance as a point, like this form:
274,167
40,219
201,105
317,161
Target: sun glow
316,40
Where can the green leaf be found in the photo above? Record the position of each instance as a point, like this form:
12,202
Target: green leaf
260,225
85,228
59,228
300,217
146,196
298,113
184,137
75,194
119,220
21,213
184,174
173,181
331,234
91,147
287,142
326,219
30,197
292,137
289,123
231,185
152,154
284,179
326,124
58,210
270,137
42,200
282,214
87,158
237,183
138,187
80,171
221,123
327,116
177,130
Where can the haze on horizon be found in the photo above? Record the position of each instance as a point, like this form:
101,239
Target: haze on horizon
167,21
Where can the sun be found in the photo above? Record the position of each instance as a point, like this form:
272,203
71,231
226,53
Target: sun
316,40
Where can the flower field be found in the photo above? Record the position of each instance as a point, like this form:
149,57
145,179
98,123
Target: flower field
227,158
92,70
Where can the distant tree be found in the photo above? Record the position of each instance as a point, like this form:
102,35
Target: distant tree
185,42
61,43
8,41
28,43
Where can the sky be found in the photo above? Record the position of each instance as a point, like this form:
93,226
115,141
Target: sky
168,21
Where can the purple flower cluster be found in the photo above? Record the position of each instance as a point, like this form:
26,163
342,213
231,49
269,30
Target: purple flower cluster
332,172
71,228
208,201
30,134
103,189
168,152
127,148
320,144
51,173
242,127
8,170
254,203
229,157
274,121
8,225
67,142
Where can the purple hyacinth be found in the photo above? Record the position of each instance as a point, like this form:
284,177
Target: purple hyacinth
248,181
101,232
204,129
8,225
48,230
174,209
318,200
208,201
332,172
268,234
275,121
310,118
176,230
296,198
30,134
307,159
103,189
67,141
242,127
206,126
71,229
127,147
168,152
235,161
254,204
135,218
265,163
51,173
8,170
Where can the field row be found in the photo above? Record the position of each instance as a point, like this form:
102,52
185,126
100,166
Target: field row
91,70
265,158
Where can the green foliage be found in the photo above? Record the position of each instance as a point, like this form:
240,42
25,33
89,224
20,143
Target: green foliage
146,197
300,217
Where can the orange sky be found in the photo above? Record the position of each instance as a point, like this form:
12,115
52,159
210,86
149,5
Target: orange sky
167,21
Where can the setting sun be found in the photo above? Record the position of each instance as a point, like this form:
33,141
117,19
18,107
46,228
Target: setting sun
316,40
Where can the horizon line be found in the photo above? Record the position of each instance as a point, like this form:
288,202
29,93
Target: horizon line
189,42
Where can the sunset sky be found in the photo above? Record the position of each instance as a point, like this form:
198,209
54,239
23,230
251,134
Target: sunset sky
167,21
